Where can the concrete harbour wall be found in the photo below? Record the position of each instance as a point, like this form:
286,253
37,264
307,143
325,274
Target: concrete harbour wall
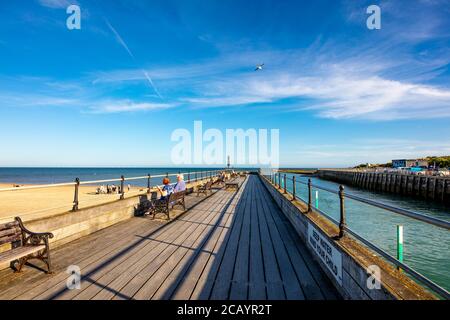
425,187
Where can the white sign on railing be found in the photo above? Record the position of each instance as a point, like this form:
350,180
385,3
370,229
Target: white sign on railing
326,252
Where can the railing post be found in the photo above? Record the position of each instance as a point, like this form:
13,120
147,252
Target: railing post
75,198
148,184
189,177
122,189
309,195
195,176
342,223
293,187
279,180
399,244
284,183
167,174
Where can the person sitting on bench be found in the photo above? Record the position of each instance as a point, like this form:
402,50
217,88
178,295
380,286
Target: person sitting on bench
181,185
166,190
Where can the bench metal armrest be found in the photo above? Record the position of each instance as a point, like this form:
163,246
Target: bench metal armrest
33,238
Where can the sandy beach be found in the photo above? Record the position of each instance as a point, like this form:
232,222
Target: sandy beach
35,203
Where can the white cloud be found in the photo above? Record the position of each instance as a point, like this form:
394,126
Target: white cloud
127,106
337,82
56,4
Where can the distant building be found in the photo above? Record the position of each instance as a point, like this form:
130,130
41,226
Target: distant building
408,163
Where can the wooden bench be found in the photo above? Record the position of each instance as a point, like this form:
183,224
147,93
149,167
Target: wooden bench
233,184
164,205
25,245
205,188
220,180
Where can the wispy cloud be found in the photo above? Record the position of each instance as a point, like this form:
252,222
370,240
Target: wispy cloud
336,80
57,4
125,46
127,106
119,38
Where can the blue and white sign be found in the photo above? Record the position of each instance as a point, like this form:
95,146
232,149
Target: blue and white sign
326,252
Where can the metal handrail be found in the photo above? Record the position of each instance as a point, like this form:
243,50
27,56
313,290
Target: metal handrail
53,185
408,213
390,258
435,287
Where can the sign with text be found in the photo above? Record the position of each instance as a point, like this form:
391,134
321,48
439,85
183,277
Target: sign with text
326,252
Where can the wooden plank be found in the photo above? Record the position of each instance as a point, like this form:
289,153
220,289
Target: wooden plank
291,283
222,284
187,285
119,277
128,265
86,265
207,280
182,281
79,249
257,287
274,283
178,259
239,285
314,283
72,253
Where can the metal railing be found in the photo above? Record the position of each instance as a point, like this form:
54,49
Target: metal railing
189,177
280,182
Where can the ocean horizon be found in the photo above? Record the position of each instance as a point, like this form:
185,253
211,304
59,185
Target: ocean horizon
50,175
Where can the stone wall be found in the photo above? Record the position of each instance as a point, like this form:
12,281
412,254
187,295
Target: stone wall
426,187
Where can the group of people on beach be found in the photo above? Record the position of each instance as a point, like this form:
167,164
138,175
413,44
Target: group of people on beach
110,189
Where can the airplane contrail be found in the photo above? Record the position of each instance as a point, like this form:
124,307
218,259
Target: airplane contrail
125,46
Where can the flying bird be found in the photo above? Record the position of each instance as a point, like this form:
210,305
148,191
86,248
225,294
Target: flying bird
259,67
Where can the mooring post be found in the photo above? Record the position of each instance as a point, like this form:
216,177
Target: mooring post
309,195
293,187
342,222
148,183
75,198
399,244
284,183
122,189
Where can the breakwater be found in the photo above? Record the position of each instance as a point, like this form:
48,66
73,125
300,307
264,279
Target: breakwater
426,187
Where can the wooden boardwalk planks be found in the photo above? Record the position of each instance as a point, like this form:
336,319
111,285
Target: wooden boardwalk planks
233,245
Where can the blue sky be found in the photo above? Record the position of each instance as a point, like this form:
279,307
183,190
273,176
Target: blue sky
111,93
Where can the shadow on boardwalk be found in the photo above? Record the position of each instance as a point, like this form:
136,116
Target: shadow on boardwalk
232,245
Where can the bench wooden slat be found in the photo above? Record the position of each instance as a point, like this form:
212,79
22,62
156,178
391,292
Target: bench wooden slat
9,239
10,231
19,252
9,225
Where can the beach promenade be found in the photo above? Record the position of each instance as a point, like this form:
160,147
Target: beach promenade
231,245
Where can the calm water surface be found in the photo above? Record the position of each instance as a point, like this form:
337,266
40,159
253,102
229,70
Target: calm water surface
426,247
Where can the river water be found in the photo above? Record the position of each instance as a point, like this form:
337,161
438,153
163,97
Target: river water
426,247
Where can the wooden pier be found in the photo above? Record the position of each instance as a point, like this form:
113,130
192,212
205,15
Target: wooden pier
231,245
